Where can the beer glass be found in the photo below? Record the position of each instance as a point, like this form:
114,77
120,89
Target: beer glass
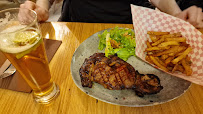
22,44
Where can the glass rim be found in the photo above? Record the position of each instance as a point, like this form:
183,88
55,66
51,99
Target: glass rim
27,26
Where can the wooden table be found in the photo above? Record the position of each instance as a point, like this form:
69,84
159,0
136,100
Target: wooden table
72,100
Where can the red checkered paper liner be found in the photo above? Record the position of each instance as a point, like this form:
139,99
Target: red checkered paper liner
145,19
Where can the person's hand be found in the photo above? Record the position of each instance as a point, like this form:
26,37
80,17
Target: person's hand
193,15
42,13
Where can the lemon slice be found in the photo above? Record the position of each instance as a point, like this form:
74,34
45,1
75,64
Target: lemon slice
26,37
21,54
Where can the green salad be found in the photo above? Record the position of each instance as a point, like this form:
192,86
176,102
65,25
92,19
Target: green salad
118,41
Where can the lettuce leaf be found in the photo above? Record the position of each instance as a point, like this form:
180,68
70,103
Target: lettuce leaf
124,37
102,41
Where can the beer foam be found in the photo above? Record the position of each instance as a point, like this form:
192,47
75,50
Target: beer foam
13,29
7,37
5,20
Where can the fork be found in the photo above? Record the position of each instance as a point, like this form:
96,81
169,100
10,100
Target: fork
8,72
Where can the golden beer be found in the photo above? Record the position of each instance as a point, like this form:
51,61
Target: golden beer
34,68
23,46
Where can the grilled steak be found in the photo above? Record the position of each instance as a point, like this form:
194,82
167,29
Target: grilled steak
115,74
147,84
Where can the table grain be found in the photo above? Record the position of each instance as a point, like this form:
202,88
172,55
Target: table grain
71,99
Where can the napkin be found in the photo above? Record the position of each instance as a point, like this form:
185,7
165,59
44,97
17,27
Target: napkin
16,82
145,19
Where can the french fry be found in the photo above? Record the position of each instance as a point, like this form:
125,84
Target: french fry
160,61
172,35
178,54
180,49
158,42
148,59
157,33
152,49
180,68
170,50
168,43
187,68
153,38
179,58
156,48
178,34
169,68
184,44
164,57
188,61
179,39
175,68
150,53
148,44
169,59
171,54
158,64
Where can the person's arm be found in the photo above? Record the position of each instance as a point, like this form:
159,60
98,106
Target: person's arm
41,7
192,14
167,6
44,4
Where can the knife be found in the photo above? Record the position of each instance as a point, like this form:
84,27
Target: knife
5,65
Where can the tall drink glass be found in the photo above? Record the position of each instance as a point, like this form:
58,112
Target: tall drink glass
22,44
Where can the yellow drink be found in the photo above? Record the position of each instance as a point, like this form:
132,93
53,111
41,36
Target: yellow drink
25,50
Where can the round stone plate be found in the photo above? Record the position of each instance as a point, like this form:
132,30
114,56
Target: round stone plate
173,87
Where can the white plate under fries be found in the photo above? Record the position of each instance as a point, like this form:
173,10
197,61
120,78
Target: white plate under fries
173,87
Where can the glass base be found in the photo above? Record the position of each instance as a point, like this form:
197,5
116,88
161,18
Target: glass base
47,98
